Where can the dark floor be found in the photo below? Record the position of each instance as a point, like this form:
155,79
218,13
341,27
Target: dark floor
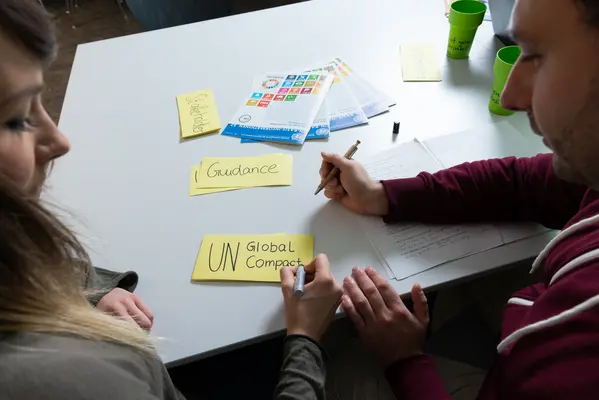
92,20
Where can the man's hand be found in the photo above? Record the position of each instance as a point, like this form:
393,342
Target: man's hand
383,322
127,306
354,189
311,314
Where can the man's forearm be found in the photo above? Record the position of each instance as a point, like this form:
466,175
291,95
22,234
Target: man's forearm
416,378
509,189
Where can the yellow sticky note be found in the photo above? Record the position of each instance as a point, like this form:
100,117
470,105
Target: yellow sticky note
194,190
419,63
197,113
256,258
238,172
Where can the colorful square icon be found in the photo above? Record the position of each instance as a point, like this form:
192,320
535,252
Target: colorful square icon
290,97
279,97
298,83
315,91
313,78
291,77
318,84
322,78
302,77
284,90
306,90
295,90
251,102
263,103
268,96
287,84
343,73
310,83
257,95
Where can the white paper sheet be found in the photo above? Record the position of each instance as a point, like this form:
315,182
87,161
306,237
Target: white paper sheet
481,143
410,248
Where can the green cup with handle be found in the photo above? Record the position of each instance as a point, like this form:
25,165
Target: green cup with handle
504,62
465,16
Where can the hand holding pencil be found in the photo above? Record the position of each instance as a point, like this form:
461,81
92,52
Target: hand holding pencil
346,181
311,314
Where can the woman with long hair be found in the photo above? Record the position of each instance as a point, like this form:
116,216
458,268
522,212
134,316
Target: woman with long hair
53,342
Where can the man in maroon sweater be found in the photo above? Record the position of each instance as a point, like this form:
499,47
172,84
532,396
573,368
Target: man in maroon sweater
549,346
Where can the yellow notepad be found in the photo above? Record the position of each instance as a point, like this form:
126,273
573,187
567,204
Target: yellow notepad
257,258
419,63
197,113
243,172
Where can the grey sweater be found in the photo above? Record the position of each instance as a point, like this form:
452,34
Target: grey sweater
101,281
48,367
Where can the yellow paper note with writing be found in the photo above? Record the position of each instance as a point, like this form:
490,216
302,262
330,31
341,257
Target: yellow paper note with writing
241,172
256,258
419,63
194,190
197,113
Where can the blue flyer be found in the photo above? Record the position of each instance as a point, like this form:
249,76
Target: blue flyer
281,107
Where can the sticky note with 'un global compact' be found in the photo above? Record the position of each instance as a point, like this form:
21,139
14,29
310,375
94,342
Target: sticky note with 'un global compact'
243,172
197,113
257,258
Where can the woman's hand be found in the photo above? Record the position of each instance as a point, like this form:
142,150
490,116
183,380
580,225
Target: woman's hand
311,314
127,306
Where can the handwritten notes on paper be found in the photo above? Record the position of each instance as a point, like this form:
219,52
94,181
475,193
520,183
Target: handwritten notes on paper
229,173
197,113
419,63
255,258
407,249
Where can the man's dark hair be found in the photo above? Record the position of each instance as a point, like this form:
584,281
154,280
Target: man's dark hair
28,23
590,12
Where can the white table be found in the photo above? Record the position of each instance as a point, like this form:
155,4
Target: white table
127,177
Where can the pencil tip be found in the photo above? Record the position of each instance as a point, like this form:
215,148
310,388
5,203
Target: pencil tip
317,191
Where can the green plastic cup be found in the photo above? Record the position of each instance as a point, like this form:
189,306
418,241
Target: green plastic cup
465,17
504,62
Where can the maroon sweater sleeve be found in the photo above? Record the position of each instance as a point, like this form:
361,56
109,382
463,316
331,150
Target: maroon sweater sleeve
507,189
416,378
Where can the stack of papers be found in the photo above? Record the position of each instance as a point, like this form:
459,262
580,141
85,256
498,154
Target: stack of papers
294,107
256,258
407,249
219,174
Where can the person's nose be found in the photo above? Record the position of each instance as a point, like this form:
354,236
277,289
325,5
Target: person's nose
517,93
52,143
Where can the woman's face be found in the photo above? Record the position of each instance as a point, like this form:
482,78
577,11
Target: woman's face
29,139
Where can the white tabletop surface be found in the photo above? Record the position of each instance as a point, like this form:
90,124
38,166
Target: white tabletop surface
126,179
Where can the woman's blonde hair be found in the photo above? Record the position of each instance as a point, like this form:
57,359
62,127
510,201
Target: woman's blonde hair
42,271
